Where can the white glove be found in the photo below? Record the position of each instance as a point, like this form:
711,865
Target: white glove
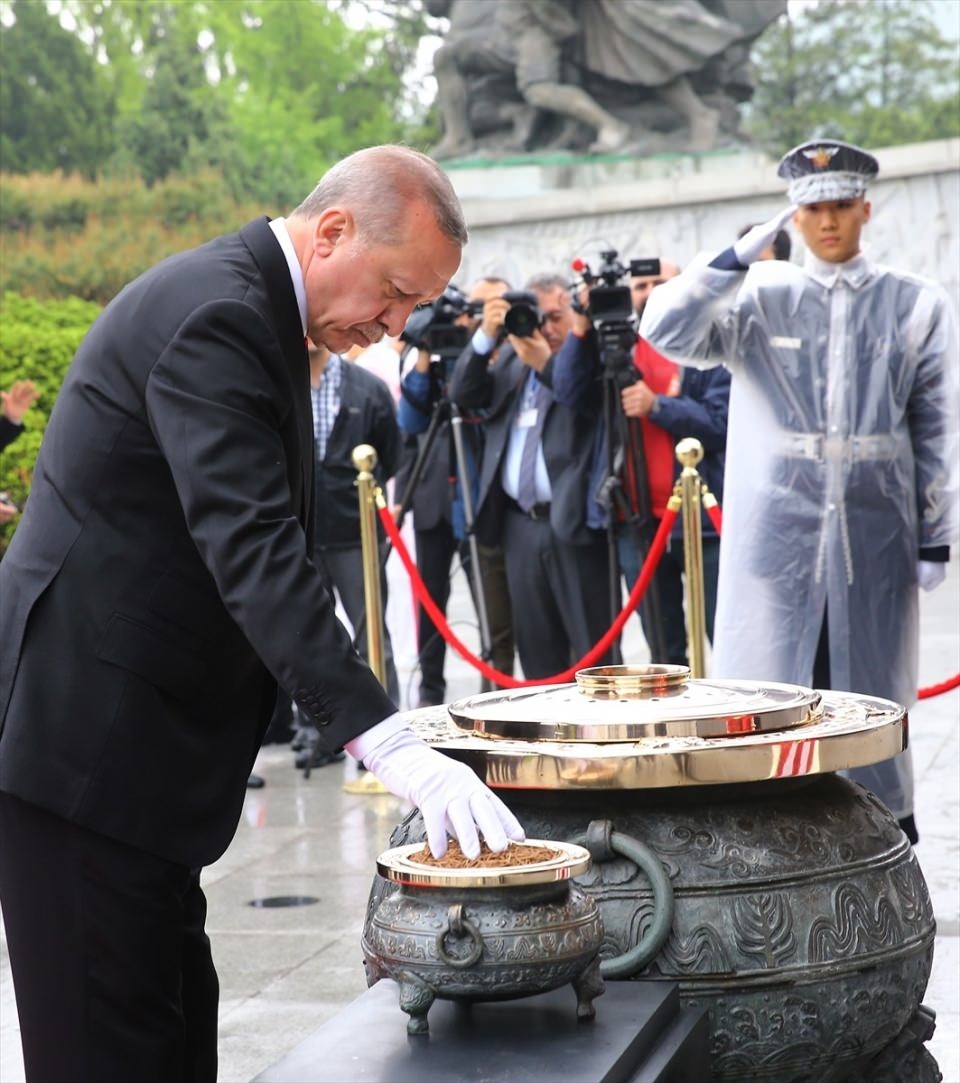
930,573
451,799
754,241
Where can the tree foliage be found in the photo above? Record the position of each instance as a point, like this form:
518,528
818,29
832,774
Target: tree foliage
873,72
269,92
56,107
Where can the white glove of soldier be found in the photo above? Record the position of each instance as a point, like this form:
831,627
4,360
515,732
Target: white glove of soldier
930,573
754,241
451,799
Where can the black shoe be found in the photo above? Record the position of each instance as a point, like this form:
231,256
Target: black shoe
255,782
909,827
317,758
304,737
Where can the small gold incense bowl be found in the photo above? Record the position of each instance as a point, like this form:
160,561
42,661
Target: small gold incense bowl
486,932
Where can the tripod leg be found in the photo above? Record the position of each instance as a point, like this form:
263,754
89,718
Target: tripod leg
479,598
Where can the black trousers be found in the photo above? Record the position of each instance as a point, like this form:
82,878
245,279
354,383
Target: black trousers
559,595
112,970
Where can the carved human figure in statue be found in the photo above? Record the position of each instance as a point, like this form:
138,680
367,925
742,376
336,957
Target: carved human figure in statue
614,68
662,44
523,40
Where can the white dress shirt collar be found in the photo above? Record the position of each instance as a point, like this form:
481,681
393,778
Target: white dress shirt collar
279,227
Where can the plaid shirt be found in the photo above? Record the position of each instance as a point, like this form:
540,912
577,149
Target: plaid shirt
326,403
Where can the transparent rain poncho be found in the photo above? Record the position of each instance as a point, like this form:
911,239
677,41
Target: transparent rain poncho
842,463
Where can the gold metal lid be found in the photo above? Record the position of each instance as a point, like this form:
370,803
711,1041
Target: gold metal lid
628,703
570,861
690,733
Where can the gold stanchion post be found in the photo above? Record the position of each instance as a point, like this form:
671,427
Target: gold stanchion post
689,453
365,459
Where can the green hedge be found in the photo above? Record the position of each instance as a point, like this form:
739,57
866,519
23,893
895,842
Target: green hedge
67,237
37,342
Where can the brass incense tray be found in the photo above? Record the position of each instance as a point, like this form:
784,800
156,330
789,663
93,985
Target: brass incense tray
570,861
643,727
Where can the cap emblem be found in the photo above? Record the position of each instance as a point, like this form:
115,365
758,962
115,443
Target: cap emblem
820,156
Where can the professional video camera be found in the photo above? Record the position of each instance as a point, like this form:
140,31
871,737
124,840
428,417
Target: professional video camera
610,305
433,327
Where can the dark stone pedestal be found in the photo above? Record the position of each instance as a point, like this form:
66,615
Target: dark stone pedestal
641,1034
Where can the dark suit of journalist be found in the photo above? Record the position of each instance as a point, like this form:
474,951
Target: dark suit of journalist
176,467
557,566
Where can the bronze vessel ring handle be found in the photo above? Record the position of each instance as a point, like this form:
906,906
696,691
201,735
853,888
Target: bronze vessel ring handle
604,844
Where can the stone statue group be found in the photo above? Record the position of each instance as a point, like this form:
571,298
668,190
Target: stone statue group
594,75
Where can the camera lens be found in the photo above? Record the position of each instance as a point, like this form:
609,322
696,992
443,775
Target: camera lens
521,320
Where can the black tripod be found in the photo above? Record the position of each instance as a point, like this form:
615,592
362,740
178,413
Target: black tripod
445,411
626,458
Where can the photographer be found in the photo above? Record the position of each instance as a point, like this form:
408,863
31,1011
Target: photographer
534,476
666,406
437,499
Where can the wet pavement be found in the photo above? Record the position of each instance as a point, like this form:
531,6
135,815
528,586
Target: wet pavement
284,970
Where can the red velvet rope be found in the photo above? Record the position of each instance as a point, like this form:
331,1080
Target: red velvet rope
639,588
716,516
939,689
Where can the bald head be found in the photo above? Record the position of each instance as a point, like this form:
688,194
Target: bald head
378,185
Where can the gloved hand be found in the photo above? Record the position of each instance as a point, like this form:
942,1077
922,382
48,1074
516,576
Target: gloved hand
451,799
754,241
930,573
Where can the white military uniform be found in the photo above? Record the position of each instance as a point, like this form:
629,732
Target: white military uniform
841,465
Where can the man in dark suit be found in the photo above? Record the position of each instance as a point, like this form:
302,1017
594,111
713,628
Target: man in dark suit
158,588
439,511
533,482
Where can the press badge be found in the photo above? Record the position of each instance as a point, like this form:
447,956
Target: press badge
526,419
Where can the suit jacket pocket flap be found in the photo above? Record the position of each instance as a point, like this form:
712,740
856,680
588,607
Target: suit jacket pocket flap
151,655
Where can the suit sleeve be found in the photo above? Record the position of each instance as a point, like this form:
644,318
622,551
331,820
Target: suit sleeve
471,385
575,373
413,412
216,401
700,410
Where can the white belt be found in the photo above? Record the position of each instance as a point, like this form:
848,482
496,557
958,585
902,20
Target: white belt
858,449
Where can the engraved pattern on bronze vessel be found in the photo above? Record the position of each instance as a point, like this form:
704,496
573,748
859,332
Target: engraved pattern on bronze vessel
861,957
763,928
915,904
703,951
525,949
856,927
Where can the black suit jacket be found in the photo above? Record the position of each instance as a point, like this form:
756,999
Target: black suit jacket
159,579
367,416
568,441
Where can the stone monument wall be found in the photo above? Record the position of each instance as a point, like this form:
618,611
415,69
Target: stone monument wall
537,215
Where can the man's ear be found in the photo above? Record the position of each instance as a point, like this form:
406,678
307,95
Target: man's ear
867,209
331,225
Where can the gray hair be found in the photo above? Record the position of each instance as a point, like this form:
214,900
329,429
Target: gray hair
547,280
378,184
